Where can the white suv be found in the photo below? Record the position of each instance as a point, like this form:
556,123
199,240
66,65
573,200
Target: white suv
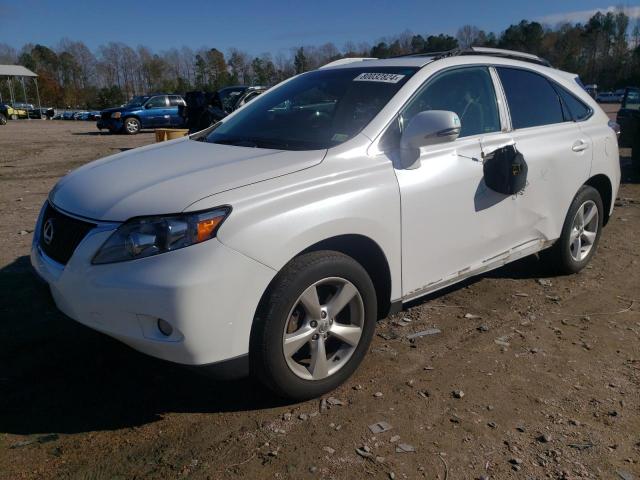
271,242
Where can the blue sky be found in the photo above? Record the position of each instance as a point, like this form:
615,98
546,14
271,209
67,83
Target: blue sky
267,26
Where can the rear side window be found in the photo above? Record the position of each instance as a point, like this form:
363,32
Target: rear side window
577,110
532,100
175,100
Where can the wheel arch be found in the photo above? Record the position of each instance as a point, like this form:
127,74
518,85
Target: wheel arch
367,253
603,185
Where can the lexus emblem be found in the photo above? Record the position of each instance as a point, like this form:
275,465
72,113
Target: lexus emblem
47,231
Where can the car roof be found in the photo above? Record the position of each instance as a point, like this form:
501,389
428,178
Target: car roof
422,59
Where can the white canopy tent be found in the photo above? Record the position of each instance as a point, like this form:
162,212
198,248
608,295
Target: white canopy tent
12,72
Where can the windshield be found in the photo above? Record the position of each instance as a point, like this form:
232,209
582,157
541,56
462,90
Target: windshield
137,101
314,111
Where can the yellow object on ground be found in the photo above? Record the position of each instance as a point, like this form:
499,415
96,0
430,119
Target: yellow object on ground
16,112
164,134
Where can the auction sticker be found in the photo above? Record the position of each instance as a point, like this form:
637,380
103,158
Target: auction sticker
379,77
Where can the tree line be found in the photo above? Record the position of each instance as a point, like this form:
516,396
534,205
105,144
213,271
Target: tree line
605,50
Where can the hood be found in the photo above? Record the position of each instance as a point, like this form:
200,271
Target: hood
118,109
167,177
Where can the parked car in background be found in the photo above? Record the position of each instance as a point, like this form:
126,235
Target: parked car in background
272,243
145,111
245,97
609,97
68,115
629,120
204,109
13,112
591,89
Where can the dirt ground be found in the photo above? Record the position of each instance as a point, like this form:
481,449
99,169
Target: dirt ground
548,367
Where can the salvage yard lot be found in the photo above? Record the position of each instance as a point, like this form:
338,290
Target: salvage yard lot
530,376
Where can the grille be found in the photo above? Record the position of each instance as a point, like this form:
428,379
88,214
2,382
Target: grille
65,234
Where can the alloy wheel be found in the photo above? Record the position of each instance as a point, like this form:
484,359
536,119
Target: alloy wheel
584,231
131,125
323,328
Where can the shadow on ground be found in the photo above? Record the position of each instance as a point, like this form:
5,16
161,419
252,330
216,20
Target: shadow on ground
59,376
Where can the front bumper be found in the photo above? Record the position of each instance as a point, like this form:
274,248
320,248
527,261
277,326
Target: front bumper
112,124
208,292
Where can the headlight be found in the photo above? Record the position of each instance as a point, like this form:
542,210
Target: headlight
116,115
144,237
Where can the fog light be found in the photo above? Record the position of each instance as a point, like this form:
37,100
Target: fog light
165,327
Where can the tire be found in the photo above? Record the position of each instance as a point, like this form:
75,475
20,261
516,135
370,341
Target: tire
131,126
577,244
3,119
14,116
282,317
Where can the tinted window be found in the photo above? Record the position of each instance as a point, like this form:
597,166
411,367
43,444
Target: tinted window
316,110
532,100
576,109
157,102
467,91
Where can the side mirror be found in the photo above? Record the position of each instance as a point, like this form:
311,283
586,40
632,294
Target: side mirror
430,127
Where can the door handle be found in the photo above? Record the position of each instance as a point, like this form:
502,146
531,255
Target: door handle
579,146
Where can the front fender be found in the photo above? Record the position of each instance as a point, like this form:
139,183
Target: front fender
275,220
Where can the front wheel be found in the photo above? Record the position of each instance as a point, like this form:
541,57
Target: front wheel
314,326
131,126
580,233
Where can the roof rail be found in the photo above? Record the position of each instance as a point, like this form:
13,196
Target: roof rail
343,61
495,52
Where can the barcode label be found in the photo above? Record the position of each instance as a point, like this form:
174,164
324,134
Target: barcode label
379,77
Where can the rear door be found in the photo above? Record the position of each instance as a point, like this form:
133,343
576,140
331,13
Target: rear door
175,120
557,151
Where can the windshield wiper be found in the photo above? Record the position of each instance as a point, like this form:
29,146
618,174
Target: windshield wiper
254,142
239,142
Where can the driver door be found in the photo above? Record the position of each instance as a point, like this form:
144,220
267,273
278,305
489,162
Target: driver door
452,223
157,112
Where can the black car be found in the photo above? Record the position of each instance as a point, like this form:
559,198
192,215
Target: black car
204,109
629,121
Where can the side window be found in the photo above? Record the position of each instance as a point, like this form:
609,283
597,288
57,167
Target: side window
468,92
632,100
157,102
532,100
577,110
175,100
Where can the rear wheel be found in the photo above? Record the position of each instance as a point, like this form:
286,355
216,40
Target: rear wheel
314,326
580,233
131,126
3,119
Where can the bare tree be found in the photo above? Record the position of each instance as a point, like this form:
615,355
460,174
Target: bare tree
467,35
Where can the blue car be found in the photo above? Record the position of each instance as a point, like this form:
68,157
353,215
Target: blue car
144,111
